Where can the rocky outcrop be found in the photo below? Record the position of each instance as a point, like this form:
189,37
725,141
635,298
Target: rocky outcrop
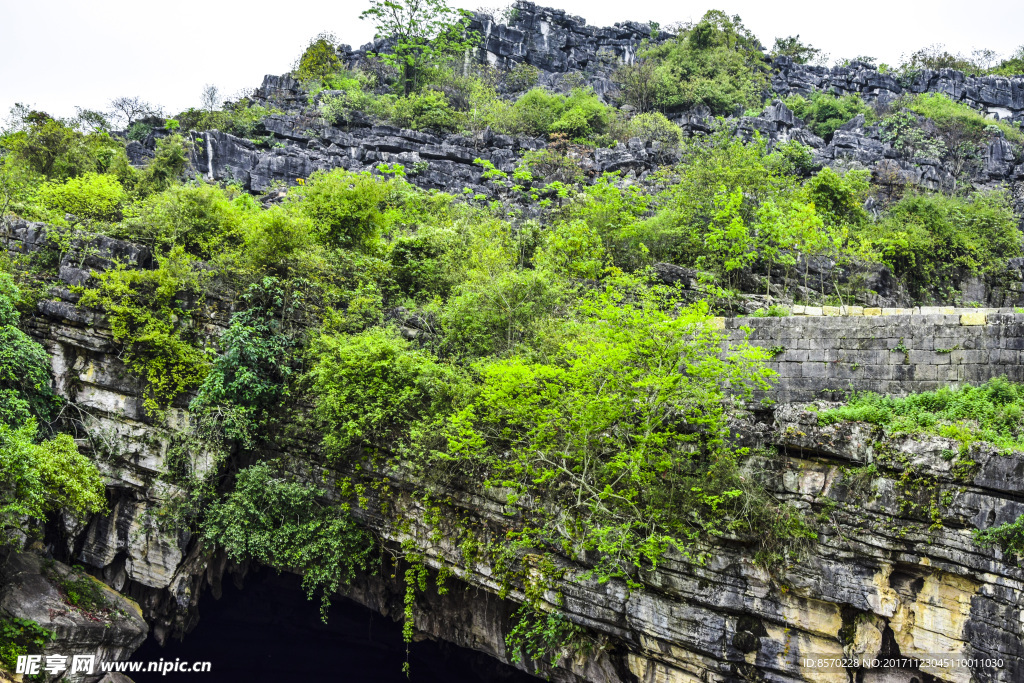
442,162
30,588
993,95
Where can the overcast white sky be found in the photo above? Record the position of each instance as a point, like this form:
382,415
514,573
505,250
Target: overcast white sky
57,54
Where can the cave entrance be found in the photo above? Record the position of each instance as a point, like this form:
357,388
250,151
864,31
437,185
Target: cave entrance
268,631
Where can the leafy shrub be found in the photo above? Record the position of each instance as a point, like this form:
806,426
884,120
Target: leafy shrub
541,636
140,130
949,115
825,112
1008,536
319,60
560,162
24,366
713,167
590,432
166,167
655,127
794,157
285,525
1012,65
91,195
21,637
251,377
795,49
426,263
522,76
537,110
923,238
428,110
348,210
579,116
40,477
493,312
54,148
273,238
716,63
572,249
374,389
242,118
582,117
839,197
904,130
79,590
199,218
992,412
337,107
147,311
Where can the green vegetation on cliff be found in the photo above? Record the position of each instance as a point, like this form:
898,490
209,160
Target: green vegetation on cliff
38,475
517,345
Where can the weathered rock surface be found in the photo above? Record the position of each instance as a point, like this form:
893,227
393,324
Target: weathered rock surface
112,634
995,95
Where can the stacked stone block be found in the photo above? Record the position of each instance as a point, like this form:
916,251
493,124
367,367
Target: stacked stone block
828,357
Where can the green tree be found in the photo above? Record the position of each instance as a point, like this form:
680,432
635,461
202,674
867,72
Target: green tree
248,381
319,60
36,477
422,32
794,48
40,477
617,441
717,63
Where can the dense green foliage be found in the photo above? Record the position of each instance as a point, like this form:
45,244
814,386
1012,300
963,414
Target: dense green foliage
825,113
1009,536
242,119
21,637
24,366
1012,65
716,62
149,312
992,412
38,477
795,49
285,524
925,237
423,31
250,378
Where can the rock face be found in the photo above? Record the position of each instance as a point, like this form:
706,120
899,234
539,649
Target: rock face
894,570
442,162
567,52
994,95
29,591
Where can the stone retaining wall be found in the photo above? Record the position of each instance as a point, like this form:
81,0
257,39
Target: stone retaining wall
827,357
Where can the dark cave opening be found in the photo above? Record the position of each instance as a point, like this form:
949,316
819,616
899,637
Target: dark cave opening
268,631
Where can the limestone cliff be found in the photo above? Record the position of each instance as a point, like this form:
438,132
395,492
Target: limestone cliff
894,572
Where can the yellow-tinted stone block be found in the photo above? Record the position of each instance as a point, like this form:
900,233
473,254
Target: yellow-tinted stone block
872,311
972,319
718,323
831,310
